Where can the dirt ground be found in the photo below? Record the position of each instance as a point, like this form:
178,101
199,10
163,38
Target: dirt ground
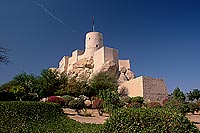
96,119
194,118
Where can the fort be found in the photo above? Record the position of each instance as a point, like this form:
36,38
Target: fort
98,58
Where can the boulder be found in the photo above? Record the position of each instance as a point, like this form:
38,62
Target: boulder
129,74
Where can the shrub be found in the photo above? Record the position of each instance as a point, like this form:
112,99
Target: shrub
7,96
180,106
30,97
123,91
98,104
110,99
136,102
103,81
39,117
153,105
77,105
125,99
193,107
67,99
128,120
56,99
164,101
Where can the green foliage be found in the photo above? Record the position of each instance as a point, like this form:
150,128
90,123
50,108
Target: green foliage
175,104
8,86
178,94
27,81
153,105
77,105
110,99
48,83
193,107
125,99
136,102
157,120
38,117
7,96
30,97
123,91
18,91
103,81
195,94
67,98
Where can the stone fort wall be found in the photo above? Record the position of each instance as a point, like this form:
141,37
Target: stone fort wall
153,89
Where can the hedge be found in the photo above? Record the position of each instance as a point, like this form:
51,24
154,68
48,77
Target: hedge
37,117
134,120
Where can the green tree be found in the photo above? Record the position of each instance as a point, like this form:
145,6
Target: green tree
103,81
8,86
18,91
27,81
194,95
110,99
178,94
48,83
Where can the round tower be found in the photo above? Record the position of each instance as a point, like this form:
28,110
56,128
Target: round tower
93,42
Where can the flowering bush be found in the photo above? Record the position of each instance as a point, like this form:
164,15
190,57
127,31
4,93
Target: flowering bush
164,101
98,104
56,99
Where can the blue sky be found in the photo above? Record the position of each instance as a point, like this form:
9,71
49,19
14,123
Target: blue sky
160,37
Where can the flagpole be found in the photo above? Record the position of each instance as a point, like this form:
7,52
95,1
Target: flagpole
93,23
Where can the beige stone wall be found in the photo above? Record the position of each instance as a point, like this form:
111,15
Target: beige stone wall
111,54
74,58
134,86
63,64
124,63
99,59
154,89
103,55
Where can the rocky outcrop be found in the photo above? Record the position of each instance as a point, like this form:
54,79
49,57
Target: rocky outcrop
125,75
84,69
109,67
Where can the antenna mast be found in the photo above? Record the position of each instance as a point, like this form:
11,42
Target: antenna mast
93,23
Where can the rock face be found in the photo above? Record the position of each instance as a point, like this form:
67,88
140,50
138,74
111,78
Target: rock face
125,75
84,69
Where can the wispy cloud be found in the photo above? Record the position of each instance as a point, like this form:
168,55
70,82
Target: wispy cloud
48,12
